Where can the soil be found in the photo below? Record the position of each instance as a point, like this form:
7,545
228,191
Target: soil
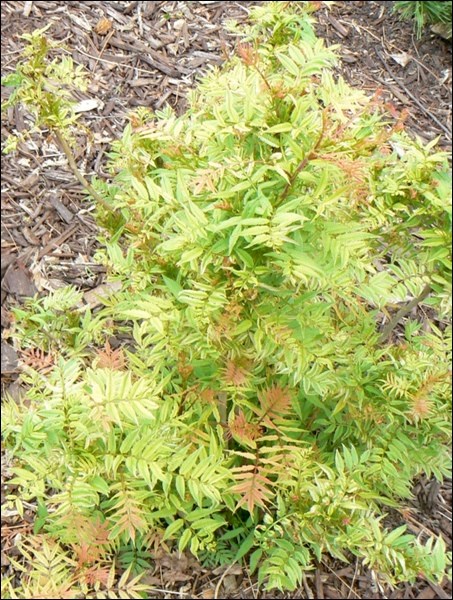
149,54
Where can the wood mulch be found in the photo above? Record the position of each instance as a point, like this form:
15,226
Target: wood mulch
149,54
381,52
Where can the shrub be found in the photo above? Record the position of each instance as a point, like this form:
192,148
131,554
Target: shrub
259,389
425,13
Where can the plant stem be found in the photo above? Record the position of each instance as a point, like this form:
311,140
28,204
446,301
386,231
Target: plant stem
75,169
260,73
222,400
304,162
403,311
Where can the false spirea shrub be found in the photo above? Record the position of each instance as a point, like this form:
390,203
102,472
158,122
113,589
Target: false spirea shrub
258,390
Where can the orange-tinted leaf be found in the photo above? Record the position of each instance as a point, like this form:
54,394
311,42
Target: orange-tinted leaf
97,574
103,26
252,487
243,430
275,402
235,374
111,359
38,360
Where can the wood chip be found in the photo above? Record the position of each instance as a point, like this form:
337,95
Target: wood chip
9,359
426,594
88,104
6,260
330,592
18,280
341,29
439,591
28,5
61,209
94,297
403,58
319,585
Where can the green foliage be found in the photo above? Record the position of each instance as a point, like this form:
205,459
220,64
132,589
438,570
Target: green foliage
253,411
44,86
425,13
58,573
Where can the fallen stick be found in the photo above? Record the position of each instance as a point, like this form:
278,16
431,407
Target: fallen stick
411,95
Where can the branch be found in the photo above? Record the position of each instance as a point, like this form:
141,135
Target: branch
403,311
304,162
75,169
